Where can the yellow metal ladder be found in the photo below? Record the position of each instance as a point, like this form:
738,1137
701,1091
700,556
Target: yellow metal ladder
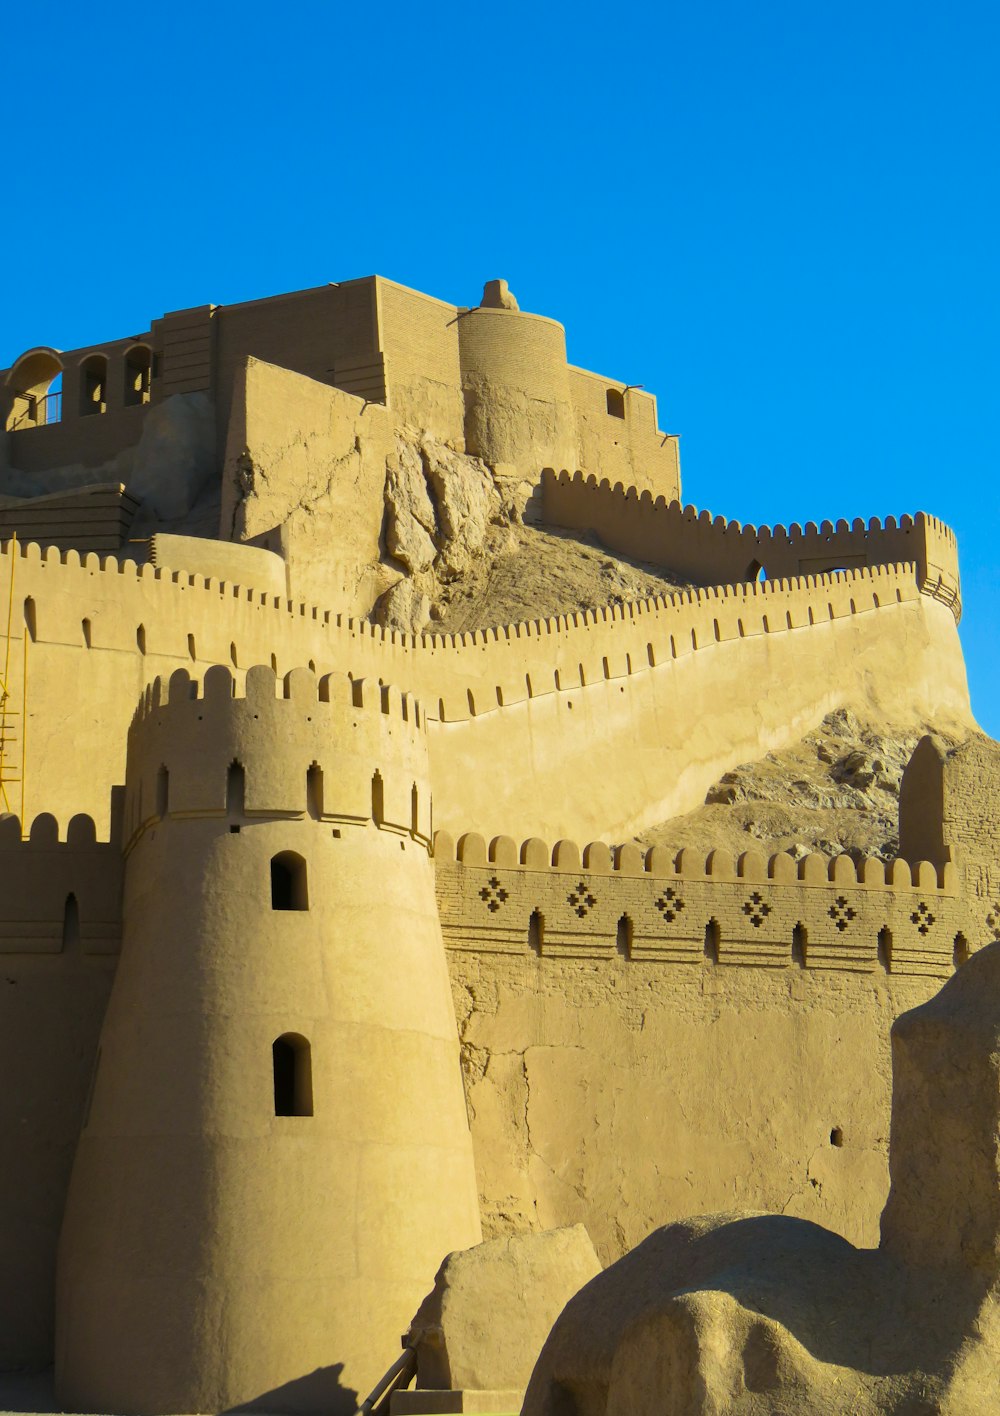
13,721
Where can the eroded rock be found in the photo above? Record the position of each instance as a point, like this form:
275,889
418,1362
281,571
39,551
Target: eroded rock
491,1308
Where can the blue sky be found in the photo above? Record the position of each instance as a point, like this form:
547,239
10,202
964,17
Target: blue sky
781,219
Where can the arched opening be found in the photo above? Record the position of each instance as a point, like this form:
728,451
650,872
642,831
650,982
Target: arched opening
235,789
232,656
34,390
288,882
192,652
30,619
162,792
961,954
884,953
138,375
71,923
93,385
615,401
414,809
755,571
799,943
85,627
536,931
712,941
140,638
623,942
378,798
291,1060
314,791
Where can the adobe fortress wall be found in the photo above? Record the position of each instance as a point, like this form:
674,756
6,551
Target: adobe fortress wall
60,930
554,701
645,1039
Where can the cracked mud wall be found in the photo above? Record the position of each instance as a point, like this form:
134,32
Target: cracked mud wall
307,463
624,1095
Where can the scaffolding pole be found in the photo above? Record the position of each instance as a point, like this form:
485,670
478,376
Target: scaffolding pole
13,743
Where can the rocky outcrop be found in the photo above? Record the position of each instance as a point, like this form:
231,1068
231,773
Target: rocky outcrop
768,1315
836,792
483,1324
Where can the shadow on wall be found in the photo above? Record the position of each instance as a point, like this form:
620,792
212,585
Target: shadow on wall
321,1390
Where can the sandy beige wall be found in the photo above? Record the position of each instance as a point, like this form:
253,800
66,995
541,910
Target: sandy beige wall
661,1039
626,1094
56,969
714,551
651,670
308,463
627,752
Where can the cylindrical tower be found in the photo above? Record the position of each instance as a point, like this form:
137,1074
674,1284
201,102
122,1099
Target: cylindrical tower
515,382
276,1154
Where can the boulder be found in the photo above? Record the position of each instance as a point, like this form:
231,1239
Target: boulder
483,1324
766,1315
410,521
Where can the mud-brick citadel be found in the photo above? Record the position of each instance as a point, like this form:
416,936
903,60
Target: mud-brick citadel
328,946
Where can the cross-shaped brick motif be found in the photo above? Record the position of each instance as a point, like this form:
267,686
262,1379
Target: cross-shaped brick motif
922,918
493,895
993,920
670,904
581,899
841,913
757,909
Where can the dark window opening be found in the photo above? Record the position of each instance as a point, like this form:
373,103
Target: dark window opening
755,571
623,942
292,1064
799,946
885,949
836,1137
314,791
961,955
378,798
235,789
615,400
94,385
414,809
712,941
536,931
30,619
85,626
138,372
162,791
288,882
71,923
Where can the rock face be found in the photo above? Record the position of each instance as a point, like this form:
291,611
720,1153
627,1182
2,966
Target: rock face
769,1316
483,1324
836,792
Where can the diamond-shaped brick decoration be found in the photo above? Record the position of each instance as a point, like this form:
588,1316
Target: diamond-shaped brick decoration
670,904
922,918
581,900
756,909
841,913
493,895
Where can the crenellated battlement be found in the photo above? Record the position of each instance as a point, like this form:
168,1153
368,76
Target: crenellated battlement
336,749
471,849
712,549
600,902
59,896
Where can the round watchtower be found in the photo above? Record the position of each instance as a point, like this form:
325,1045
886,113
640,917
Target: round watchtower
515,383
276,1154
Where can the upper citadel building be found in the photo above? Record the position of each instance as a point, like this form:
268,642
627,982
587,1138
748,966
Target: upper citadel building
291,853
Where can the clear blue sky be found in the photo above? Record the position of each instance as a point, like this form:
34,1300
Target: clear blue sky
780,218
